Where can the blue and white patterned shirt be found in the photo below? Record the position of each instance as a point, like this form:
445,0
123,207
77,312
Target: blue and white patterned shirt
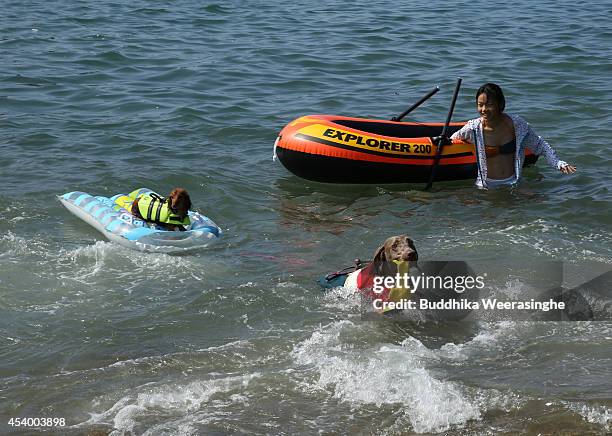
525,138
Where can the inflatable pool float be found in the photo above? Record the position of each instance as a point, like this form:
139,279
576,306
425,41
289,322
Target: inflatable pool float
337,149
110,216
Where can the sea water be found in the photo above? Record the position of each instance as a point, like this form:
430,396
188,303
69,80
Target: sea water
105,97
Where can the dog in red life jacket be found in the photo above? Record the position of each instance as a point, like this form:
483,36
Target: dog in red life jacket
394,250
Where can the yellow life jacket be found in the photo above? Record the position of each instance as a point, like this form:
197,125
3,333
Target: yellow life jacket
155,208
402,292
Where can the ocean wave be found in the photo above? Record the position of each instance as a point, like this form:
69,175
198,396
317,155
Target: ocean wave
128,413
392,375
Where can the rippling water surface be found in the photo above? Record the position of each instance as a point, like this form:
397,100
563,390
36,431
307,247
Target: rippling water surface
104,97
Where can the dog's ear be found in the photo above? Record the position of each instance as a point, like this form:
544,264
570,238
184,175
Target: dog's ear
379,254
172,197
379,260
412,246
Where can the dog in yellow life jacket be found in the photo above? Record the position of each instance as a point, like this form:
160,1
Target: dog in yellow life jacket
171,213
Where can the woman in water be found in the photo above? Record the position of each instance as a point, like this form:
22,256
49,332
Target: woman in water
501,139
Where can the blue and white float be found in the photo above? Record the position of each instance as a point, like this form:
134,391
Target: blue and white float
109,216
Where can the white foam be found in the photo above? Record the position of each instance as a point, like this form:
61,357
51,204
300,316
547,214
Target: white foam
233,344
598,414
386,375
187,398
343,298
176,427
103,260
180,400
126,418
564,244
98,252
491,338
12,245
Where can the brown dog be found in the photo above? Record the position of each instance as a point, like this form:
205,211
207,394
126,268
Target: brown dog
179,204
398,248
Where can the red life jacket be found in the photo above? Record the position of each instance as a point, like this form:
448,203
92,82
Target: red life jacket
365,283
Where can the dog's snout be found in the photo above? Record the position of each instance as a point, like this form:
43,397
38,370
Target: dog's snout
412,254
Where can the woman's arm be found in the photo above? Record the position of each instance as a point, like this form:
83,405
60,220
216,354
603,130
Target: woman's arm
540,147
465,134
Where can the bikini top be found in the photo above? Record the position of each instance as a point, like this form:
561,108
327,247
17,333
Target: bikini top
508,148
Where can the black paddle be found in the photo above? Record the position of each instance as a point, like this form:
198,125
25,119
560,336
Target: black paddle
416,105
442,137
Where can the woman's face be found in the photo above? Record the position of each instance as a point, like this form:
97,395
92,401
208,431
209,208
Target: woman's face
487,107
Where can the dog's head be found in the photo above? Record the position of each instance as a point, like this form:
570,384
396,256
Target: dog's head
179,202
398,248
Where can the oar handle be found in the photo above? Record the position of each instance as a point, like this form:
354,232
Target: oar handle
417,104
440,142
452,108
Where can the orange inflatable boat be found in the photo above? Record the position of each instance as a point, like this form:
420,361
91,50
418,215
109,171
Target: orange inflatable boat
337,149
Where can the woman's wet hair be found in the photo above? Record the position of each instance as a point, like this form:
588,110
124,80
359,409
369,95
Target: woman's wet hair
492,91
